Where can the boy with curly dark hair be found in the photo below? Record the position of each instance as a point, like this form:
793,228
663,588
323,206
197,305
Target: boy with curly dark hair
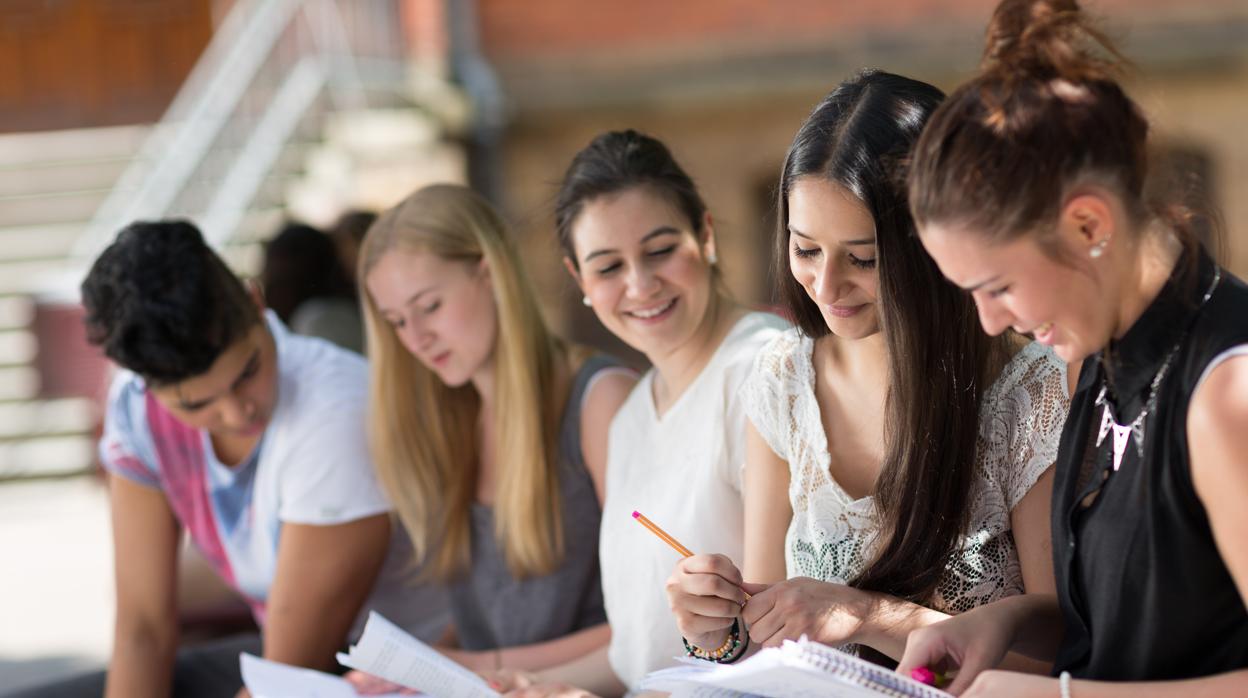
251,439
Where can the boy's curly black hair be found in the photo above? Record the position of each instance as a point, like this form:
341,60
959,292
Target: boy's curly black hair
161,303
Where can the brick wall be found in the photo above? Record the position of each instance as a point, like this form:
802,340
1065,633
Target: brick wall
535,28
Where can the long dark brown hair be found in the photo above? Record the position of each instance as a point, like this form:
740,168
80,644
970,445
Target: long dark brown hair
940,363
1045,112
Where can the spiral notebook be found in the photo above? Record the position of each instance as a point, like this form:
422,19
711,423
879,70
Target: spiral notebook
801,669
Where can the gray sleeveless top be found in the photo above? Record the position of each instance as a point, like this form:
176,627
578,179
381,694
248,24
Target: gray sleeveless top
489,607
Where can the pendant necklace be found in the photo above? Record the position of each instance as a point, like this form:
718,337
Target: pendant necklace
1134,432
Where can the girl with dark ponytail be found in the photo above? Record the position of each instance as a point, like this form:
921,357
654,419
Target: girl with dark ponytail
1028,191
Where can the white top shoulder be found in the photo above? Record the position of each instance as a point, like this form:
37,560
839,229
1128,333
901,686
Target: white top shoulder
831,534
315,445
682,470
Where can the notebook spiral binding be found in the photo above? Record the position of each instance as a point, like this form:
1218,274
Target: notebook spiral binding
858,671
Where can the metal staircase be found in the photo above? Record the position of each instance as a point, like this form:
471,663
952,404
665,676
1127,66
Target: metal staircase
225,154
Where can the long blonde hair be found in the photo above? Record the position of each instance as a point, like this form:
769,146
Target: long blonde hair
423,432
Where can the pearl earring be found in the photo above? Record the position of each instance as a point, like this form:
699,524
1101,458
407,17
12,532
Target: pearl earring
1098,249
585,302
712,259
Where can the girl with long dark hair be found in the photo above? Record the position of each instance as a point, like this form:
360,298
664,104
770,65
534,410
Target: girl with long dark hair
898,459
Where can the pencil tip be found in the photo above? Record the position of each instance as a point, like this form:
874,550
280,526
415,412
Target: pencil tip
636,514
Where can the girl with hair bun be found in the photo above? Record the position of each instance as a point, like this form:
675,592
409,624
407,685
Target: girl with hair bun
1028,191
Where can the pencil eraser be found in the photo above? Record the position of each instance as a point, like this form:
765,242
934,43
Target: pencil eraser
636,514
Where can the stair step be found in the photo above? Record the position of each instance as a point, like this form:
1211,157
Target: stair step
17,348
40,276
18,382
16,312
56,176
26,419
38,241
44,456
56,207
73,145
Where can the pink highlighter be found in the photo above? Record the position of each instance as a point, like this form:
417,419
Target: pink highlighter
926,676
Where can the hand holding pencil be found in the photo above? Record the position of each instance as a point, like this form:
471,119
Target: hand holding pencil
704,591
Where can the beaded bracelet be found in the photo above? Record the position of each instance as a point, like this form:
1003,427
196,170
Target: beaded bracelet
725,653
740,651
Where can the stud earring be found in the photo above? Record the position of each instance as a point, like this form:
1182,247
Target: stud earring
585,302
712,259
1098,249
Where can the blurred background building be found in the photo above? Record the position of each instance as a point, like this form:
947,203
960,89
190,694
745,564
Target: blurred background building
242,114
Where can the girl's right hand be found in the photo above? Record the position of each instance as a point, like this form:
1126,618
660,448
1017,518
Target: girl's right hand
968,643
706,597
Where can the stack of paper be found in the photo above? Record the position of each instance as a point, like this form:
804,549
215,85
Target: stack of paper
387,651
266,679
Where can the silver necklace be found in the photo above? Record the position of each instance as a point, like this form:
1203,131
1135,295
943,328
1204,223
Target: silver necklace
1135,430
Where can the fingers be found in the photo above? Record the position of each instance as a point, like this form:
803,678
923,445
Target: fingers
549,691
699,586
696,616
769,631
369,685
760,617
508,679
974,664
930,647
711,586
754,589
719,565
759,605
925,647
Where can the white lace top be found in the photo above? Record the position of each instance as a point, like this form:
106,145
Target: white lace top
831,535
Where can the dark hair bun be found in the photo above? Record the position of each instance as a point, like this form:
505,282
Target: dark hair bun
1045,40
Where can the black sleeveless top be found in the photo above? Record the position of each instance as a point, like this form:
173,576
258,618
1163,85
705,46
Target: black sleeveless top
489,607
1143,591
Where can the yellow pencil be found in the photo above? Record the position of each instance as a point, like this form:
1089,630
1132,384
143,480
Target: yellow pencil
654,528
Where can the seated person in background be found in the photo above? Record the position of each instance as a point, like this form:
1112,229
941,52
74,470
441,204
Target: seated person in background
348,235
306,284
489,432
252,439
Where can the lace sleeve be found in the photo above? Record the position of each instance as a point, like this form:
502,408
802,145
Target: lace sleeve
1037,403
764,395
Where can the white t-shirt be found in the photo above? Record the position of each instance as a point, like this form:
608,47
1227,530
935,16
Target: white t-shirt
683,471
311,466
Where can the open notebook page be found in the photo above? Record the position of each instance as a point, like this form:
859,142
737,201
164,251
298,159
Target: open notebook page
801,669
